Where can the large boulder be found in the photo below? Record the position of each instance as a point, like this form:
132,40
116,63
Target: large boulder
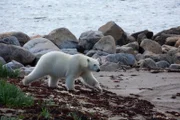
63,38
106,44
12,52
89,38
122,58
111,28
161,36
40,46
10,40
22,37
152,46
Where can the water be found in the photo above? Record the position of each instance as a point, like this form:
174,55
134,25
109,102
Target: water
42,16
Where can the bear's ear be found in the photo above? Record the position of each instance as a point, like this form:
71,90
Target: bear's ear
88,60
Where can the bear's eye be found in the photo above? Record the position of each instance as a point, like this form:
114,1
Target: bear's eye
94,64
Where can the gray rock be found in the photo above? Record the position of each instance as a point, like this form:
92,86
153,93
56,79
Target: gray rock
22,37
174,66
133,45
11,52
162,64
152,46
106,44
91,53
25,71
177,43
111,28
148,34
124,49
139,56
13,65
70,51
161,36
40,46
2,61
122,58
99,54
110,66
63,38
176,58
166,48
88,39
147,63
10,40
172,40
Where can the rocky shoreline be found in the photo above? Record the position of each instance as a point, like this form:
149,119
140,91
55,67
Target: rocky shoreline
110,44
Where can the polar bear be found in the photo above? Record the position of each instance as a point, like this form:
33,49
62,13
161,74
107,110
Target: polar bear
57,65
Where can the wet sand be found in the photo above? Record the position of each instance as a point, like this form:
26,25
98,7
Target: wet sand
162,89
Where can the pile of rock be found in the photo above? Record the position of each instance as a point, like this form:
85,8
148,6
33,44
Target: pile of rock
110,44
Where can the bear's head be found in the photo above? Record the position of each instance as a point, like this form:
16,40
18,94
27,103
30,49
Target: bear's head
93,64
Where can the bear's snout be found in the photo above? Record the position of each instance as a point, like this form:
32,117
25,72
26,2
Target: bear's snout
98,70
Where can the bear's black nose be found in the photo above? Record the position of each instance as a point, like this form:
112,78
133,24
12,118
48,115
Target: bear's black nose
97,70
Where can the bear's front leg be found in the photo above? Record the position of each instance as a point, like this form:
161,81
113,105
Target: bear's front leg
91,81
70,83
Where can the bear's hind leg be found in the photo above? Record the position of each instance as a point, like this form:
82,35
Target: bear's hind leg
53,82
34,75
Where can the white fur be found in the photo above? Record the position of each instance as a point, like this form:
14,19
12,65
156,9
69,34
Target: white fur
58,65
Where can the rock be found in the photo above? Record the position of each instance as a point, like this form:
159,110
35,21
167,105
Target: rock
171,40
11,52
99,54
177,43
162,64
111,28
130,38
158,57
174,66
88,39
22,37
2,61
106,44
148,34
70,51
110,66
124,49
63,38
150,45
24,71
133,45
166,48
161,36
40,46
139,56
13,65
80,49
122,58
91,53
176,58
147,63
10,40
